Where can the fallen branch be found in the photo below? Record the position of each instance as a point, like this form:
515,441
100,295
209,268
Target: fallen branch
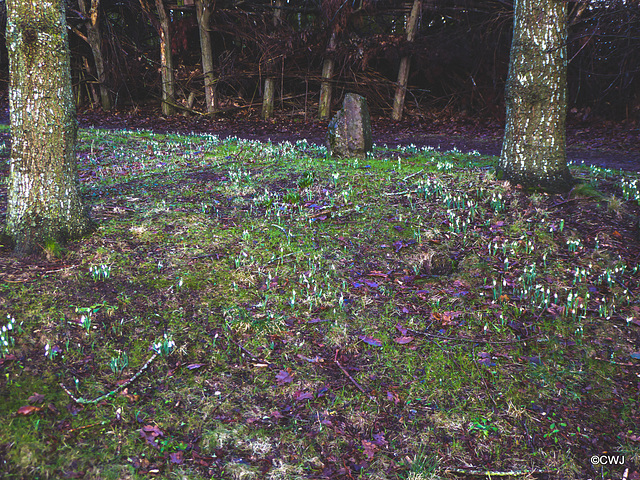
85,401
350,377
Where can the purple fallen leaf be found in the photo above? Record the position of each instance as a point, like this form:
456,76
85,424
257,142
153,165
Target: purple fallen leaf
357,284
401,329
405,310
397,245
378,439
369,449
403,340
371,284
193,366
176,457
398,228
283,377
534,360
300,395
317,320
393,397
370,340
150,433
485,359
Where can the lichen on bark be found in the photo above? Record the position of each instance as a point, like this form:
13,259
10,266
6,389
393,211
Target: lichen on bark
534,147
44,202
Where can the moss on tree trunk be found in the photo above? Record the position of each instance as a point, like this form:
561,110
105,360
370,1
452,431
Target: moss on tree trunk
44,202
534,146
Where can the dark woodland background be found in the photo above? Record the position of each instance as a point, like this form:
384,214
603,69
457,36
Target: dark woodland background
459,59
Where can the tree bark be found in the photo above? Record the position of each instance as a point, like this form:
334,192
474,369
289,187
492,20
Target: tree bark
268,97
166,61
534,147
269,92
405,62
326,88
203,14
44,203
94,39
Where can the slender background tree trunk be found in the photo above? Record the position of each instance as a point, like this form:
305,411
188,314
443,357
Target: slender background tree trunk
204,9
94,39
534,146
269,93
326,88
166,61
405,62
44,202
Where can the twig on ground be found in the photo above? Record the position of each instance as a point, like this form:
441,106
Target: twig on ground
412,175
85,401
358,386
490,473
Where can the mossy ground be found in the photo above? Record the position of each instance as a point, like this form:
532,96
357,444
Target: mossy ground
407,316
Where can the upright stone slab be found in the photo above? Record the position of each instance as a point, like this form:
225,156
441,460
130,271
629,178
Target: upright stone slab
349,132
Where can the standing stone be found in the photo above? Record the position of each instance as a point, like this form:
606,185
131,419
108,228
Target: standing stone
350,130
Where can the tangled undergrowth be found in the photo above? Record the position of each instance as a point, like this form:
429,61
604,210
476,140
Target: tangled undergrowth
255,310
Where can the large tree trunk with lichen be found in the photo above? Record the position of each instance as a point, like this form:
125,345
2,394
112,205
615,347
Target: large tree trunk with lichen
405,62
534,146
203,14
94,40
166,61
44,203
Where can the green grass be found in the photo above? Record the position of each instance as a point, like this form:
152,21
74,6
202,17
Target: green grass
403,316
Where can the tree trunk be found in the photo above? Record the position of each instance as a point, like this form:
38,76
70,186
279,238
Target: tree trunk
268,97
269,93
166,61
534,146
94,40
44,203
324,107
405,62
203,13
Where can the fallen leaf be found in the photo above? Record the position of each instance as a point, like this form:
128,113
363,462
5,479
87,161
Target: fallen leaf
379,440
28,410
403,340
176,457
36,398
401,329
370,340
393,397
484,358
202,460
300,395
369,449
150,433
283,376
194,366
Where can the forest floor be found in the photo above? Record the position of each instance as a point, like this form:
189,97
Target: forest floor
250,309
